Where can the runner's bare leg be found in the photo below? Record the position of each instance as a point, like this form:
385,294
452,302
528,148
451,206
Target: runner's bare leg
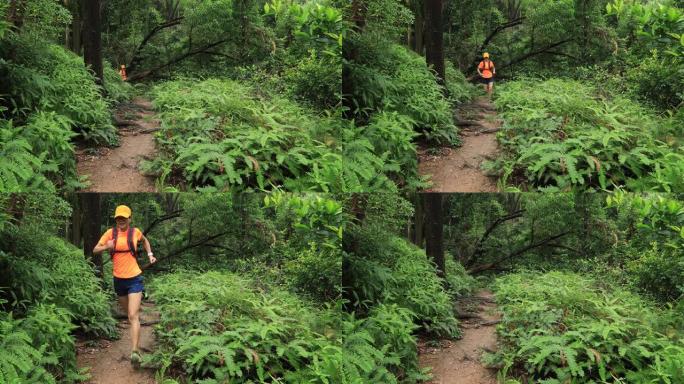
134,300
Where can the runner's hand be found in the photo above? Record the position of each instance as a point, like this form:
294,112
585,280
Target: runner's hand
153,259
110,244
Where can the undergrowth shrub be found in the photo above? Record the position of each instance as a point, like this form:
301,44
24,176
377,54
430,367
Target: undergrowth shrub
47,269
380,348
392,137
20,361
660,272
218,327
658,81
562,327
49,328
363,169
50,134
395,79
219,134
46,77
21,170
315,80
397,272
458,88
561,135
653,256
458,281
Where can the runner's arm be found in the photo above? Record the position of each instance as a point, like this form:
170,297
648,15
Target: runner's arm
99,248
148,248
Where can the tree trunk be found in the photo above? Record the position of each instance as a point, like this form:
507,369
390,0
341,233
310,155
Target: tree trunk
583,19
434,37
73,40
419,222
90,204
434,239
92,38
418,31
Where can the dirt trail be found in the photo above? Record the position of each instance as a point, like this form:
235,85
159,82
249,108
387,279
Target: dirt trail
109,361
458,169
116,169
458,362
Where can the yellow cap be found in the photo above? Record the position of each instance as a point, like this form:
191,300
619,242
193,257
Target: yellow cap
485,55
122,211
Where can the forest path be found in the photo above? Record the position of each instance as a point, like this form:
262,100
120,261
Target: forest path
458,169
109,361
458,362
116,169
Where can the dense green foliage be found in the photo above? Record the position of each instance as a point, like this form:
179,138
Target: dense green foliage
657,264
281,58
269,119
589,285
397,79
52,99
49,100
393,98
247,286
219,133
561,327
564,134
48,290
392,284
634,241
224,327
591,91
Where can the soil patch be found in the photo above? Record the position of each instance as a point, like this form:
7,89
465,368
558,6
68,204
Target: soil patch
459,169
458,361
116,169
109,361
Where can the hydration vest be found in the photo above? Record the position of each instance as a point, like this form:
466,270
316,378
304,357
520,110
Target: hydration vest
132,247
487,65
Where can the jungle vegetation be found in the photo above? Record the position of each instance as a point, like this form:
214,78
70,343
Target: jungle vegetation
247,285
248,92
589,285
590,92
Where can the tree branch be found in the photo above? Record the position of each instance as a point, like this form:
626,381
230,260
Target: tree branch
136,58
185,248
478,246
176,60
534,53
159,219
498,29
489,266
219,54
220,247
